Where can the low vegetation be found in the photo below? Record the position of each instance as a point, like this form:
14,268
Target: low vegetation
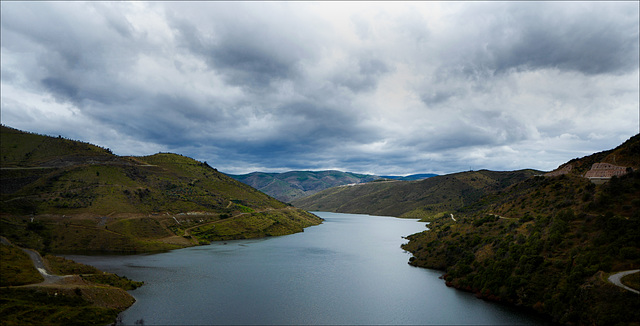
47,306
62,196
546,243
414,199
294,185
632,280
17,268
264,224
93,298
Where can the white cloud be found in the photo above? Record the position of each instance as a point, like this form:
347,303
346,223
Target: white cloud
384,87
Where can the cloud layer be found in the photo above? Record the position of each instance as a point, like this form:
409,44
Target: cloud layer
385,88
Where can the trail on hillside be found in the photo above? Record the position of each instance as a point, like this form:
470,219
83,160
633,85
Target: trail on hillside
38,263
615,279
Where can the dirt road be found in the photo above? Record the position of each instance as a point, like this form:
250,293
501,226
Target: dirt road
38,263
615,279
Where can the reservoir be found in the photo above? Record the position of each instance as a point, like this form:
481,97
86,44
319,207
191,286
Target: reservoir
348,270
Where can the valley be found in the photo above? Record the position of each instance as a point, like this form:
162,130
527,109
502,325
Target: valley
295,185
544,242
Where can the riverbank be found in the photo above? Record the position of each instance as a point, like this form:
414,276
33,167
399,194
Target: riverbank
557,266
139,233
56,291
350,270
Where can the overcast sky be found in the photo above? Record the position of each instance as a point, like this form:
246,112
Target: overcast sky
380,88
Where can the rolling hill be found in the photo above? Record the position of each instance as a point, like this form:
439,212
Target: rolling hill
294,185
64,195
413,199
548,243
60,196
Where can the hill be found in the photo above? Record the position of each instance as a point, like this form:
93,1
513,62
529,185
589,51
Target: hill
59,292
61,195
293,185
548,243
413,199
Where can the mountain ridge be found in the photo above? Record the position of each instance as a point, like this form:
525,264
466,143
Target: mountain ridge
413,199
292,185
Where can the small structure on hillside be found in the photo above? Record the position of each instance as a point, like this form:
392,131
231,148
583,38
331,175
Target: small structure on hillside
602,172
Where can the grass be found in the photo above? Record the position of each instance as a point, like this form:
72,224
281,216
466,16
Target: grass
255,225
69,196
84,179
17,268
136,234
144,228
414,199
62,266
27,149
113,280
96,300
560,235
43,306
83,234
632,280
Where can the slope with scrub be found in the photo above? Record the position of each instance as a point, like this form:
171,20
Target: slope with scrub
413,199
60,195
547,243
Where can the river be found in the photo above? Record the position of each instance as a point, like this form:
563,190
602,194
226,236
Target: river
348,270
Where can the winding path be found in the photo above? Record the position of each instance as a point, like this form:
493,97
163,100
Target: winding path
38,263
615,279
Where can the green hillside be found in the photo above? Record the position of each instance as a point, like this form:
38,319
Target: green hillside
293,185
414,199
547,243
63,195
83,296
627,154
22,149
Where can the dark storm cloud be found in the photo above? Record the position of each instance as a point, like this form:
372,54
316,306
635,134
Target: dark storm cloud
249,47
590,38
373,87
365,76
61,88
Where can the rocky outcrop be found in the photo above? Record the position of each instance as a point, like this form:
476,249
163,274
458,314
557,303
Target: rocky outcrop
605,170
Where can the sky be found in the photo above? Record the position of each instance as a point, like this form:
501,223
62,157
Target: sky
386,88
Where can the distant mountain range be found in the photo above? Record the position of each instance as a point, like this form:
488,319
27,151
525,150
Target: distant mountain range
416,199
293,185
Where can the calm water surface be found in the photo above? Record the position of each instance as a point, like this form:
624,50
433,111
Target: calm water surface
348,270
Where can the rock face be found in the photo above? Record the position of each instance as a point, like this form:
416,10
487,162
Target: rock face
602,172
605,170
599,172
559,171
